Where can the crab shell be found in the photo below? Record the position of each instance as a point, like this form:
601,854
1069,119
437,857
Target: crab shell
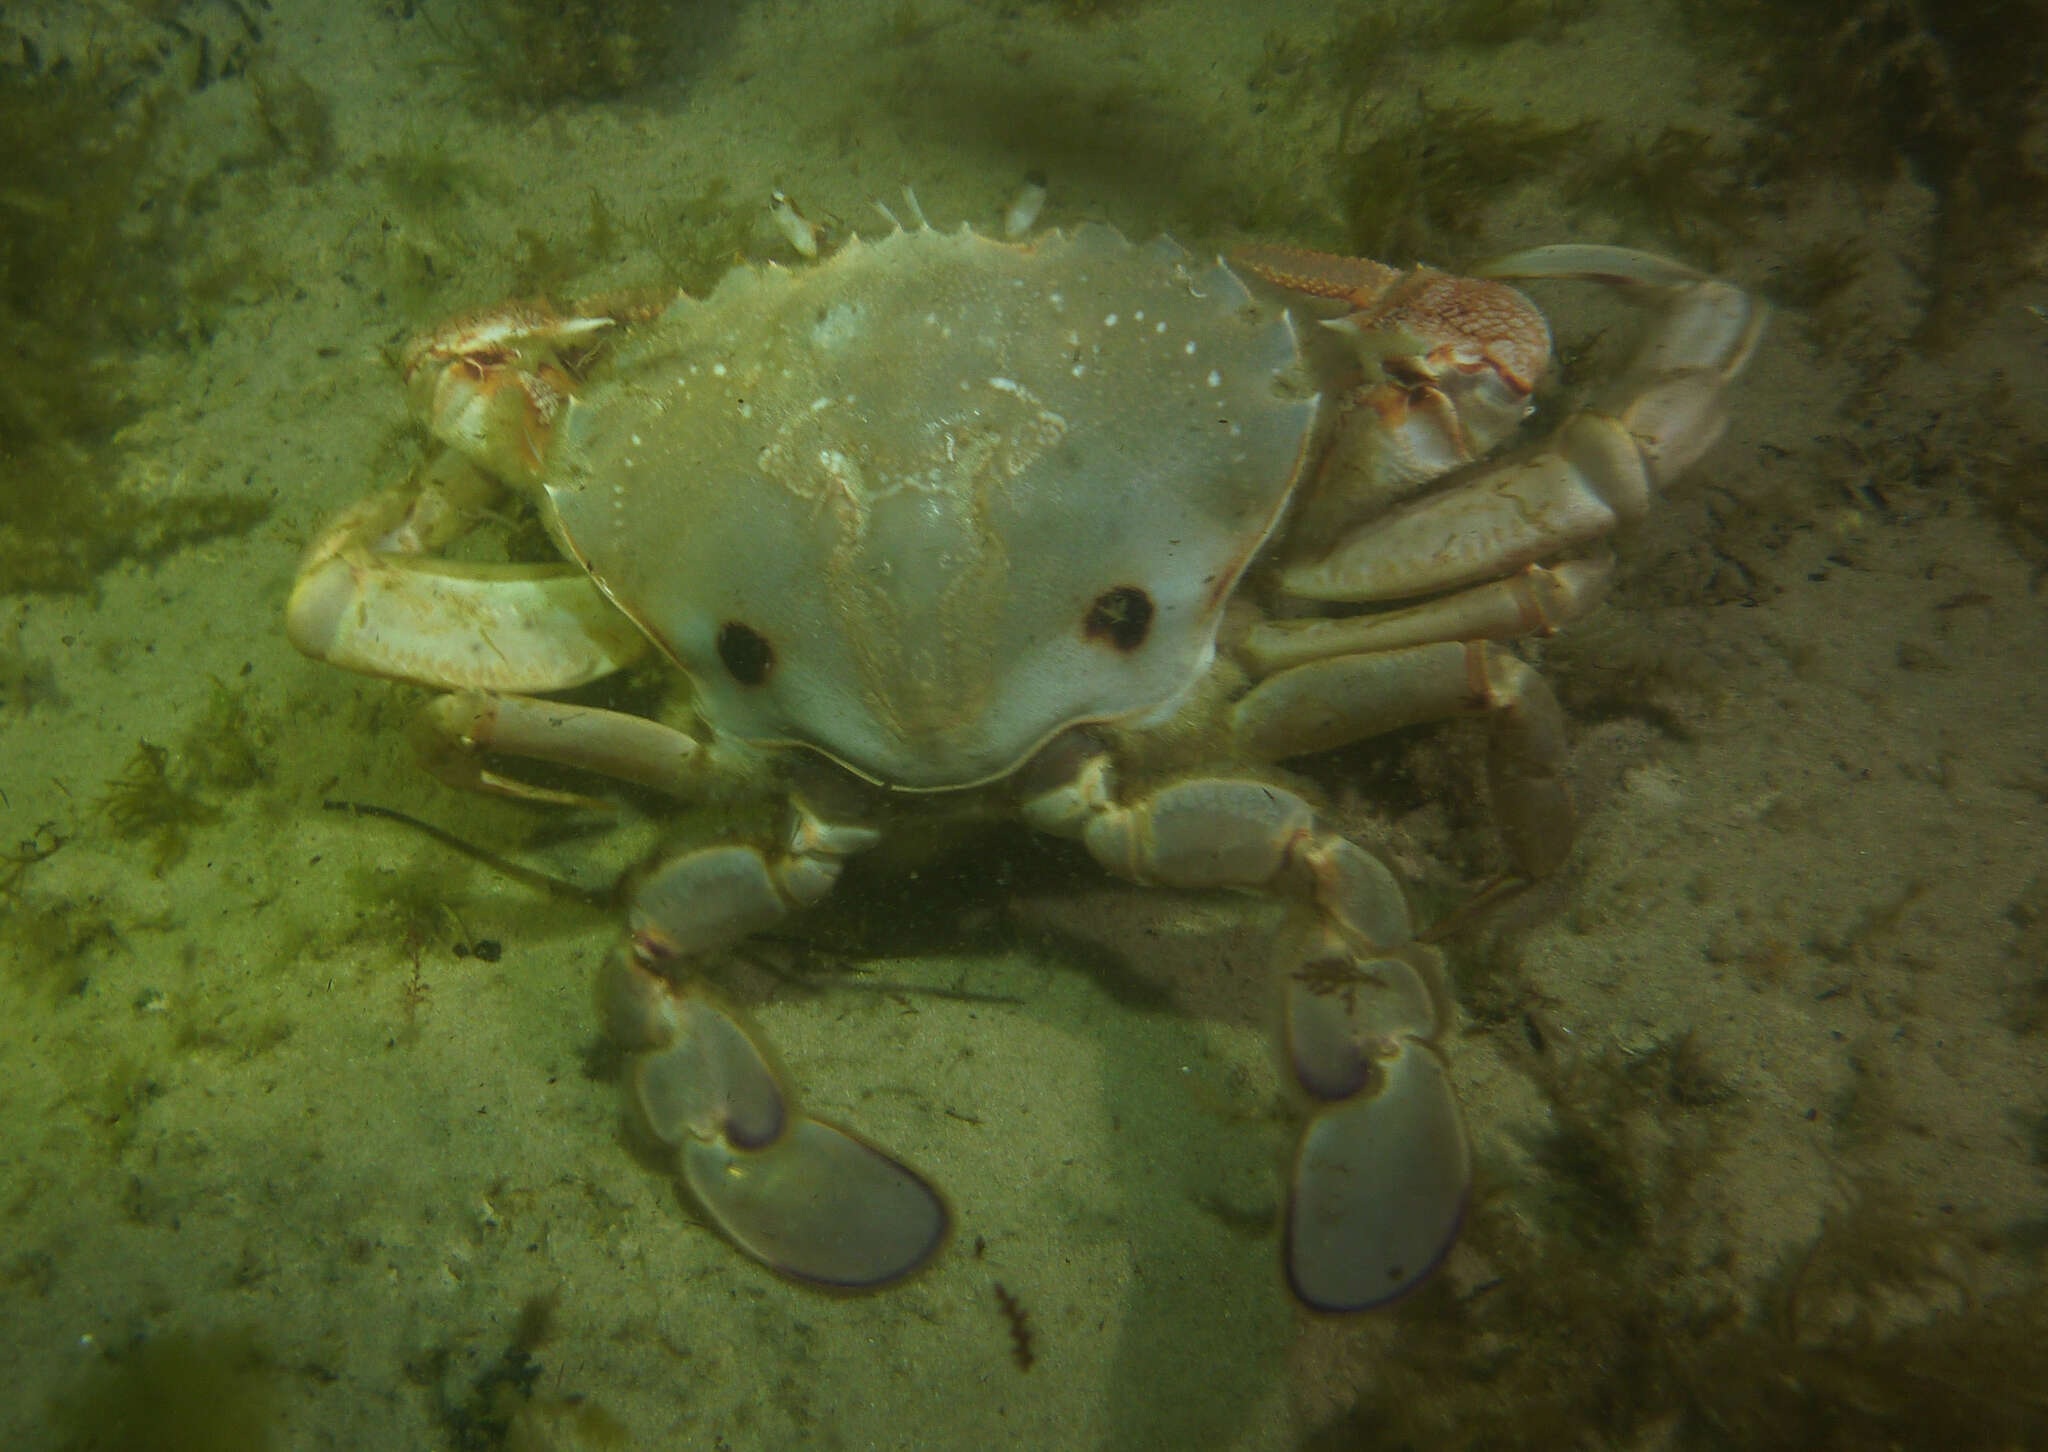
926,505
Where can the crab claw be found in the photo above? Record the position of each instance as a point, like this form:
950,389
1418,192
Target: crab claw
1449,362
1383,1171
801,1196
493,384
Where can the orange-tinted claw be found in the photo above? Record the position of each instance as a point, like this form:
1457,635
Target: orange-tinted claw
1358,281
1449,361
1471,325
492,384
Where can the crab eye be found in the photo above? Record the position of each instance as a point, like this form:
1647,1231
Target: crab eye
1122,617
746,653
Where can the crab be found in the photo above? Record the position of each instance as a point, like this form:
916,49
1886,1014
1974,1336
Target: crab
1091,533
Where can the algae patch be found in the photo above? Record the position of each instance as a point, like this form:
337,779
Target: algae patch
88,277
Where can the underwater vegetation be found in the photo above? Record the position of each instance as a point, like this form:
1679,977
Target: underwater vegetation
500,1406
536,54
1411,191
158,804
145,804
88,274
1086,12
1678,186
1608,1321
1418,181
1949,94
1480,23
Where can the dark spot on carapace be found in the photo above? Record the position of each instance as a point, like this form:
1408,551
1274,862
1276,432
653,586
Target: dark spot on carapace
746,653
1121,617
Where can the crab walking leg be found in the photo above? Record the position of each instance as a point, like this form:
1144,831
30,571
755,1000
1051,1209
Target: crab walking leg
802,1196
1327,703
451,734
1536,600
1597,473
1382,1173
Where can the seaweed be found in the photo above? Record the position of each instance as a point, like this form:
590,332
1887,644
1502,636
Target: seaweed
1947,94
298,123
539,54
26,681
1483,24
2000,461
698,240
87,275
1358,58
224,748
1089,12
1605,1320
144,804
30,852
1023,1351
500,1407
1422,190
907,25
1285,71
423,181
1680,187
1810,278
50,934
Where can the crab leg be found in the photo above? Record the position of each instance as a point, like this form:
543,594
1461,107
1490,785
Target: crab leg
808,1199
1537,600
1327,703
452,733
1383,1170
1595,474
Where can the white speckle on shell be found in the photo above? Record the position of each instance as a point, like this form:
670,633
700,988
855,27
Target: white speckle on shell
935,542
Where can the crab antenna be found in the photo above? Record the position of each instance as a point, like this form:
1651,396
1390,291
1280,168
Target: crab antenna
883,208
916,212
